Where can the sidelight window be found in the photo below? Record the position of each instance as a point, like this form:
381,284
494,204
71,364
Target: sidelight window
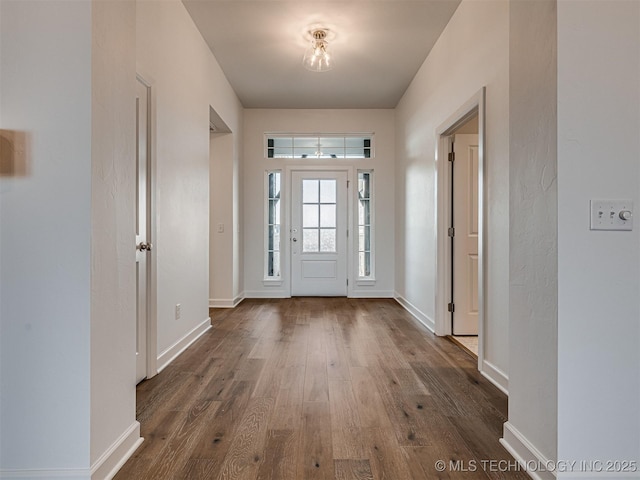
365,224
273,224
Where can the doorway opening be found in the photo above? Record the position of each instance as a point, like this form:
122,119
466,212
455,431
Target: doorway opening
460,226
463,183
223,241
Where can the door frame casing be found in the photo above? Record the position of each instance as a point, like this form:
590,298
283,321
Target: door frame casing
288,208
152,297
443,258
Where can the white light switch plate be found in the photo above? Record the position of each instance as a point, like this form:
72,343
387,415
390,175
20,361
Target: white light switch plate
608,214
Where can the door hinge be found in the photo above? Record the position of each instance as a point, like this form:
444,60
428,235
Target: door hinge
347,183
347,233
347,282
451,232
451,307
452,156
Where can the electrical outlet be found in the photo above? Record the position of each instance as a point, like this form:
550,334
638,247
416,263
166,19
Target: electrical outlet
221,228
178,312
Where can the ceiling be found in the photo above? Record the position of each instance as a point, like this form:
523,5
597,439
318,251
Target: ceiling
377,45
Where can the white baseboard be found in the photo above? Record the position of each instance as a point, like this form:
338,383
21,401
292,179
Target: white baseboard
495,376
226,302
371,294
170,354
532,461
279,293
106,467
58,474
271,293
415,311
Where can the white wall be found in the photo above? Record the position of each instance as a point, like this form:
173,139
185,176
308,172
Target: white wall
113,278
67,237
45,240
222,291
238,214
259,121
68,291
533,246
472,52
598,272
185,81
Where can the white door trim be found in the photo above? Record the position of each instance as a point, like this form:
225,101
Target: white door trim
152,297
286,190
475,105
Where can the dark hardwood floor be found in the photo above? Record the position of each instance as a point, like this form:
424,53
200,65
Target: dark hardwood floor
320,388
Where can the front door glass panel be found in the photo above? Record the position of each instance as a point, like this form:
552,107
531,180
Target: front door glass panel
319,216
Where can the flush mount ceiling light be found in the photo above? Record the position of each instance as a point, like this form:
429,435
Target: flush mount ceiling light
317,57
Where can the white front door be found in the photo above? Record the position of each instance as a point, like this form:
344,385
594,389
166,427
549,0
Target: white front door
319,233
465,240
142,227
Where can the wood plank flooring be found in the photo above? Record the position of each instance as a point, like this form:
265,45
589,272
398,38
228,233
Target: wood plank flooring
319,388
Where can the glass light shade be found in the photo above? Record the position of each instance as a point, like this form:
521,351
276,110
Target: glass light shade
317,57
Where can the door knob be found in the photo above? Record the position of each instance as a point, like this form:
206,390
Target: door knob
142,246
294,239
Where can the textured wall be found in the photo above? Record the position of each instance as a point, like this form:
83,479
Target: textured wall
45,238
185,82
533,202
598,272
222,288
113,277
471,53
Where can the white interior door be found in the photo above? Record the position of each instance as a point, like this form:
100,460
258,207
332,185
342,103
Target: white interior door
318,233
465,240
143,246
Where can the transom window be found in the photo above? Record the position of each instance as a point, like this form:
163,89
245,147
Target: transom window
319,146
319,216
